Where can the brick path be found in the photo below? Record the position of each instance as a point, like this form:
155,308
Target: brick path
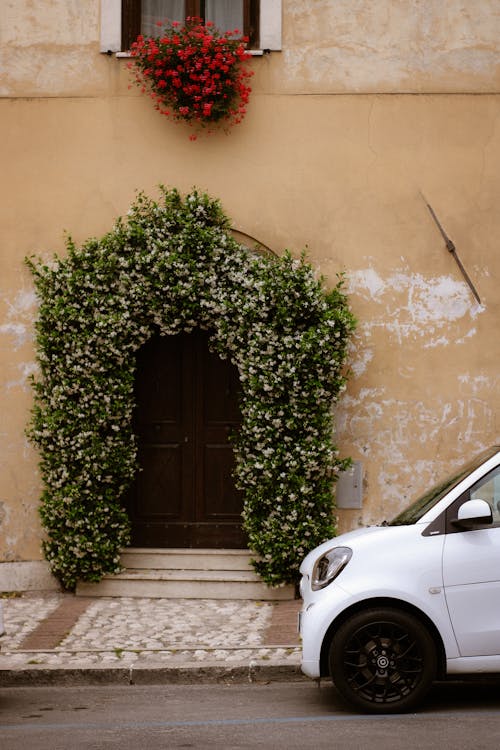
59,636
283,627
49,633
56,626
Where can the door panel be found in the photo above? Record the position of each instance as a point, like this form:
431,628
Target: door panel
187,407
159,386
159,480
218,419
471,575
222,500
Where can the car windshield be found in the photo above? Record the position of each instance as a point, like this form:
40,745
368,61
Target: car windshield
416,510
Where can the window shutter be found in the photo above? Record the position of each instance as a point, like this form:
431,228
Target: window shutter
270,24
111,25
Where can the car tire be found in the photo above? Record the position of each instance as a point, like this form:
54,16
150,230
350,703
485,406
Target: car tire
383,660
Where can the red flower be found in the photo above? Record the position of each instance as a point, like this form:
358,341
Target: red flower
194,73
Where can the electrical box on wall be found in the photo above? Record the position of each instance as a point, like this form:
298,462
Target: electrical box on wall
349,489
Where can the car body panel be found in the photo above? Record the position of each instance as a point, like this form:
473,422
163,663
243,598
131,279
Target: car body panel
382,579
471,570
426,572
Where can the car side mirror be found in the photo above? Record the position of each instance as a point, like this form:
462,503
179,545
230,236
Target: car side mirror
473,513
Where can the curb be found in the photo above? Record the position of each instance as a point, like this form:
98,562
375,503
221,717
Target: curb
161,675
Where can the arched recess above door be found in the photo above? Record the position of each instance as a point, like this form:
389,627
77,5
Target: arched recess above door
172,265
252,243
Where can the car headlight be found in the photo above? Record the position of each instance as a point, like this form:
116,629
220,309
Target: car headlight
328,566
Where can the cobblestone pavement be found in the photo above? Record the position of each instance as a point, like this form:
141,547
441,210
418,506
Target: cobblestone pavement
125,632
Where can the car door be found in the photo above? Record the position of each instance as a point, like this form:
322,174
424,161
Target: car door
471,573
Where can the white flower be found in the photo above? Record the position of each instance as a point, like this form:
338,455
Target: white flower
100,304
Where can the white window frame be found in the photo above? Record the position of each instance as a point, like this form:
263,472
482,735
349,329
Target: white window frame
111,26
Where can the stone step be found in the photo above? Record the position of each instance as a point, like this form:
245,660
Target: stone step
186,574
242,576
182,588
186,559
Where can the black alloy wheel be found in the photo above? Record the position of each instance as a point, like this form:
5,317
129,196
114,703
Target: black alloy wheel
383,660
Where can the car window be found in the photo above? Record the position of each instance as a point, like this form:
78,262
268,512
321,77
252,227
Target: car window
488,488
420,507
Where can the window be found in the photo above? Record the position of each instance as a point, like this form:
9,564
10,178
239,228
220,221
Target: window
489,489
141,16
123,20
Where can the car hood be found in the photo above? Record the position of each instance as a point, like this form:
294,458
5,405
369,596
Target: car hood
344,540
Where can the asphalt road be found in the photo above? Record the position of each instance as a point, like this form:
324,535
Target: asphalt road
276,715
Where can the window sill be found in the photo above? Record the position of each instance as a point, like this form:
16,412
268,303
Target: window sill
251,52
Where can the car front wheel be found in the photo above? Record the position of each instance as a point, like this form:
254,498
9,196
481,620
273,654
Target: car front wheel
383,660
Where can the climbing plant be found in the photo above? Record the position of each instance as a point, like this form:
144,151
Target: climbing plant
172,265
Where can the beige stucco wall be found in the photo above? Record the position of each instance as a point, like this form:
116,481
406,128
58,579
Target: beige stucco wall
329,156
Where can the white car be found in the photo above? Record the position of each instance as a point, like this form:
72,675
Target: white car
388,609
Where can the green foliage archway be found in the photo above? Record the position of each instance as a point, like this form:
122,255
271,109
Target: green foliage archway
170,266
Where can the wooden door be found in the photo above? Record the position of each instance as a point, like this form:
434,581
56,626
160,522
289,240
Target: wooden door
187,407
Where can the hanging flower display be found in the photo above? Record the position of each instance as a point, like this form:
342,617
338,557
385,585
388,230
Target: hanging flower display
171,266
194,73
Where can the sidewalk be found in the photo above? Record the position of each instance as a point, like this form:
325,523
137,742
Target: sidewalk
56,638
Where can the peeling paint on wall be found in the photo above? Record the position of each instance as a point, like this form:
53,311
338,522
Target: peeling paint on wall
360,358
355,45
20,490
25,370
478,383
410,411
411,305
20,317
18,331
405,444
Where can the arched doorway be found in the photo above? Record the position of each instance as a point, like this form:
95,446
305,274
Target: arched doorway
187,407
